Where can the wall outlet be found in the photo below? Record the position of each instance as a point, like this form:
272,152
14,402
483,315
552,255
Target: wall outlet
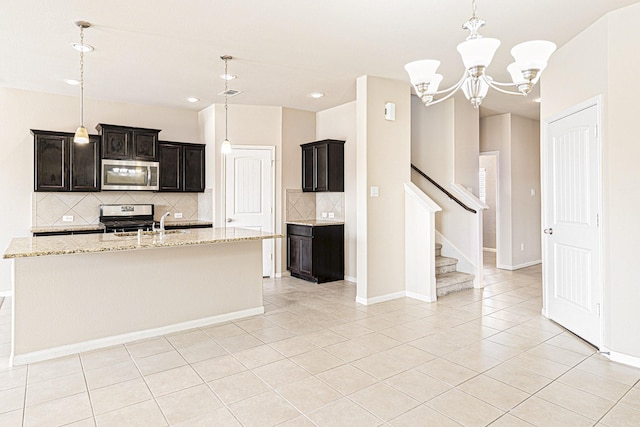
67,218
332,215
533,192
522,246
177,215
324,214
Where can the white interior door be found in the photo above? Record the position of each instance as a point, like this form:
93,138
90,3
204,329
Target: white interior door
571,239
249,194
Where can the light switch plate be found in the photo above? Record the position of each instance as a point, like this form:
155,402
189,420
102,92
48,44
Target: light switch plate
375,191
324,214
332,215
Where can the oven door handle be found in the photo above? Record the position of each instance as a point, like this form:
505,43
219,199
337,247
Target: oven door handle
148,175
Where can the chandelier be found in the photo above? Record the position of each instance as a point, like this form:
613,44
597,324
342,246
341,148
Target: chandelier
477,52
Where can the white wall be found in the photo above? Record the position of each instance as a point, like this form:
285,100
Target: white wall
489,162
21,111
340,123
383,156
607,50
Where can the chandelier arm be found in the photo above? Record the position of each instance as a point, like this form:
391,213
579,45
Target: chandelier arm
458,86
455,87
493,82
502,90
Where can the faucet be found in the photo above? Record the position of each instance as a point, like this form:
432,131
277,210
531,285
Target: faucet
166,214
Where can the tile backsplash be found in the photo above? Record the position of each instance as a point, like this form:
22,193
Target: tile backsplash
303,206
49,208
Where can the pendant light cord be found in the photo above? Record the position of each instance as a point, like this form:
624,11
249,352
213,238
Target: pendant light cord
226,105
81,76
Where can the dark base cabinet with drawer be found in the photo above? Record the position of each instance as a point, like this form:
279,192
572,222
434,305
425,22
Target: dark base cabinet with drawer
316,253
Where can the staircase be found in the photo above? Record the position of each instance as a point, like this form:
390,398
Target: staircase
447,278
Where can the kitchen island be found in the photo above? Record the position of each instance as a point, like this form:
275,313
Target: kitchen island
81,292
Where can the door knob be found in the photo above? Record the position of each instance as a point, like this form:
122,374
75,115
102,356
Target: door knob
229,220
548,231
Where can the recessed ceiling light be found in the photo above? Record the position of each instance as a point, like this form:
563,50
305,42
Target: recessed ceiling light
228,76
72,82
82,47
193,99
316,95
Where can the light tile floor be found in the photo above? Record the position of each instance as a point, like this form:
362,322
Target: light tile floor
474,358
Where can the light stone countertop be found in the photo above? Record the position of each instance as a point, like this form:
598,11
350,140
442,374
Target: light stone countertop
21,247
99,227
315,222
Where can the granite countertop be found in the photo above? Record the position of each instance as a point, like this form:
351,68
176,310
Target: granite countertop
90,227
65,228
315,222
21,247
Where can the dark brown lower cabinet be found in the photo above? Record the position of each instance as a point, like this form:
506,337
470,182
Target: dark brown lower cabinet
316,253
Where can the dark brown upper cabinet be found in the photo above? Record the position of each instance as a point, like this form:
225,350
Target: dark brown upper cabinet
61,165
182,167
128,143
323,166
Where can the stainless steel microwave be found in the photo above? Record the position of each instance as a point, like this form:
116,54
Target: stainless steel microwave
130,175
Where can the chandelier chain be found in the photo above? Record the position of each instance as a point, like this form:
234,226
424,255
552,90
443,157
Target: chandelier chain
473,8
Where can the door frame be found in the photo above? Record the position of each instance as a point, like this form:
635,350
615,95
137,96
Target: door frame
546,123
272,155
496,153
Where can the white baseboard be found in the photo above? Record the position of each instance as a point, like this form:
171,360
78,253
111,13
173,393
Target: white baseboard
420,297
381,298
624,358
37,356
395,295
284,274
7,293
350,279
519,266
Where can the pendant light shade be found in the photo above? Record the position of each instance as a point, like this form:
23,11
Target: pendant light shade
478,52
81,136
226,147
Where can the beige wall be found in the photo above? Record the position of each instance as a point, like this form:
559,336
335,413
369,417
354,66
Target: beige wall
340,123
298,127
383,160
21,111
606,50
466,144
517,140
525,180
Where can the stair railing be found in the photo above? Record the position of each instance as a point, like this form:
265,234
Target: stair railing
439,187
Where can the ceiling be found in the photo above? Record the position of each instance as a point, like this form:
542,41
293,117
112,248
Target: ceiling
162,51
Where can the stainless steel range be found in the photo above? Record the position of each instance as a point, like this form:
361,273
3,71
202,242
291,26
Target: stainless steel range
131,217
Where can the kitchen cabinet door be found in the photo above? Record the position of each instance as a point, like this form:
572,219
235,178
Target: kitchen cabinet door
194,164
116,143
145,145
316,254
170,167
85,165
51,156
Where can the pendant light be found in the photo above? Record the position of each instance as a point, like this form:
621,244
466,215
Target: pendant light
82,136
226,145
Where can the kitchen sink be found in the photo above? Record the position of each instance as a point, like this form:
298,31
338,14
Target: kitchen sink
149,233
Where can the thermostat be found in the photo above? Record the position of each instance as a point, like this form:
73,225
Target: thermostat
390,111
